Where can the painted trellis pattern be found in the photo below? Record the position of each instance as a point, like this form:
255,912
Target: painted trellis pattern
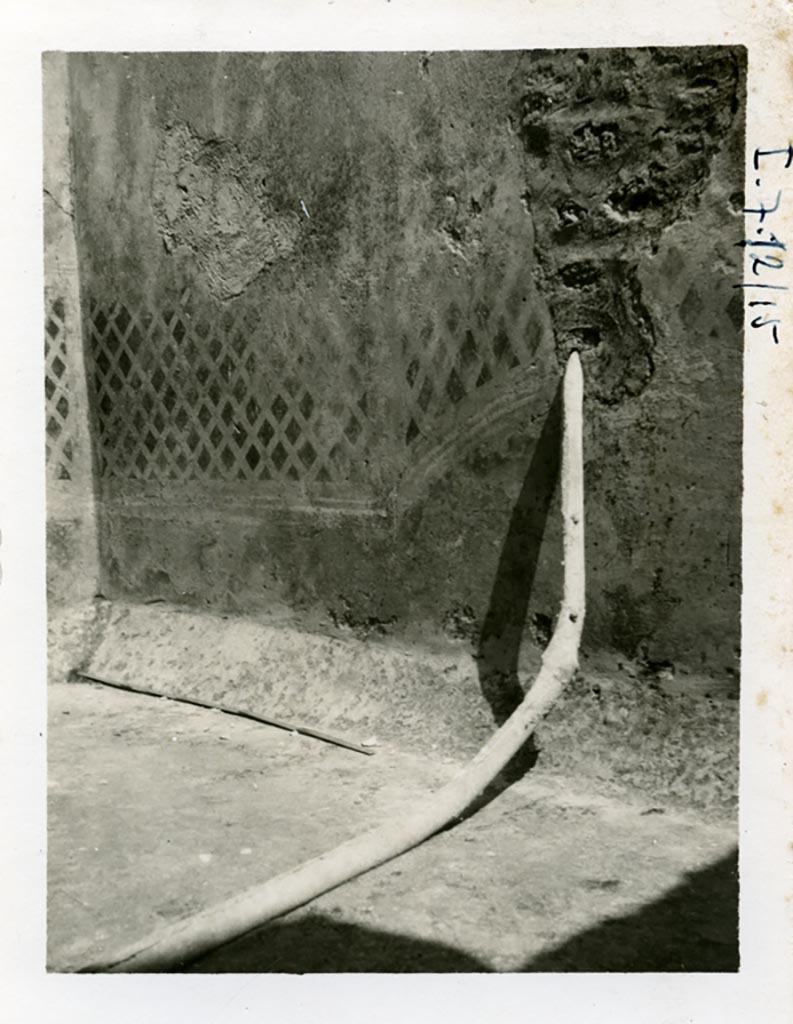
182,396
60,425
188,395
469,346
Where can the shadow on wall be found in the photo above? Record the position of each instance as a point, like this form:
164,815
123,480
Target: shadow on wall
692,928
499,642
498,649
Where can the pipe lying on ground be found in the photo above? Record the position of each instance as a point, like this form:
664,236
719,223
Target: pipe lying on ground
303,730
187,940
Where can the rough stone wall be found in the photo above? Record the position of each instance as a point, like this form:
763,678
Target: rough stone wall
327,299
72,567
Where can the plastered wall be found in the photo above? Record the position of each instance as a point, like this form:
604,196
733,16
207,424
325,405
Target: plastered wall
326,300
72,562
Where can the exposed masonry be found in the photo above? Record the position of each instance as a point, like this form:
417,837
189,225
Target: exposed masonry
619,145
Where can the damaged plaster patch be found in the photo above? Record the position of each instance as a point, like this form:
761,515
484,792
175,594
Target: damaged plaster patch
208,197
618,146
598,310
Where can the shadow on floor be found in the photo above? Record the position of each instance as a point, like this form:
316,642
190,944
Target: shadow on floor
320,945
692,928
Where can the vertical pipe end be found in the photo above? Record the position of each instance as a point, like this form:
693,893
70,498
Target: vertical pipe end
573,371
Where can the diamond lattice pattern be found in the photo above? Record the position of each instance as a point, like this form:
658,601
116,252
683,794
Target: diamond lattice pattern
462,351
59,425
183,397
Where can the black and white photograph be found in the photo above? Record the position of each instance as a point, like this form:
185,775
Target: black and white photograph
394,571
394,455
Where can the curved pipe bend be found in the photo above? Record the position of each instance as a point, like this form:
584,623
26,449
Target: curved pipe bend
190,938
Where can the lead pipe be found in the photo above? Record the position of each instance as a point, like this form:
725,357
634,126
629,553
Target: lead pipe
178,944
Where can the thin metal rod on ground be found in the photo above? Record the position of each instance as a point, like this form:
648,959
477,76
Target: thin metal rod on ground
187,940
239,712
